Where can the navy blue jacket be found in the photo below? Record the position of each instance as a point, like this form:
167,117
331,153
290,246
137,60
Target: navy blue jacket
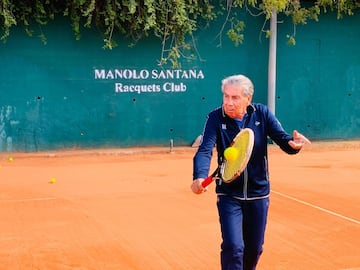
220,130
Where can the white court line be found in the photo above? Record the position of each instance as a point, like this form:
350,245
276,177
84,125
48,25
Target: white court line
317,207
29,199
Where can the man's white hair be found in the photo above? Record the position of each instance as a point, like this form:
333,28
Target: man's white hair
239,80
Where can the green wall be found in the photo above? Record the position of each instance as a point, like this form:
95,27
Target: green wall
319,78
67,94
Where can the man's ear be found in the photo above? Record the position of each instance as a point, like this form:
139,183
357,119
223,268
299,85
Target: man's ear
249,98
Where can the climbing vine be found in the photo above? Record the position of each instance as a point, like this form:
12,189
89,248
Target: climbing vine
172,21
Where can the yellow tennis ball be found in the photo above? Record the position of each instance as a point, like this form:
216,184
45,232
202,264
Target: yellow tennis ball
10,159
52,180
231,153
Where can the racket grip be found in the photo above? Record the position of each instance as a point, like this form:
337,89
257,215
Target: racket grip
207,181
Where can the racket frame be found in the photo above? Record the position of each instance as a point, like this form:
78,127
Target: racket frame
248,151
222,167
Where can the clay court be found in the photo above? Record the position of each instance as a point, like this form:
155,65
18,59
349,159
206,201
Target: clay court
132,209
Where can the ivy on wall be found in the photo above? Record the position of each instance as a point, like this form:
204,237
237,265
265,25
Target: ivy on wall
172,21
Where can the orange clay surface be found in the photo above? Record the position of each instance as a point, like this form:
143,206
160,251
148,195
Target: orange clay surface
121,209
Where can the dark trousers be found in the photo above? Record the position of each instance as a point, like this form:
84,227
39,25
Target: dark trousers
243,225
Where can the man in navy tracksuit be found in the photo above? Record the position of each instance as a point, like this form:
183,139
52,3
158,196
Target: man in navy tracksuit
243,203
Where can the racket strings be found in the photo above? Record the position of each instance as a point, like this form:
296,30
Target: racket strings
244,144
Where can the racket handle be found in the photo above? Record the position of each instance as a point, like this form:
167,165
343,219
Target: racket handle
207,181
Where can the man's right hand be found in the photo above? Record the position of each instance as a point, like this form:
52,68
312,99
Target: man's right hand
196,186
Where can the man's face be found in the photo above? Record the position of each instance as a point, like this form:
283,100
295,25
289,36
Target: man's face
234,101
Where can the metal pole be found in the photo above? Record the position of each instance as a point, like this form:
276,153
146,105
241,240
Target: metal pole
272,62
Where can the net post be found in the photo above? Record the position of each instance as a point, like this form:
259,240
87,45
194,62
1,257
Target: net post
171,146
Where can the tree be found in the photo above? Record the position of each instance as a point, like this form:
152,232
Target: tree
172,21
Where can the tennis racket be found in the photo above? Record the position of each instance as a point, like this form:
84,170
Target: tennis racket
231,169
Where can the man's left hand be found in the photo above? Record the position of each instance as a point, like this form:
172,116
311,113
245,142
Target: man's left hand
298,141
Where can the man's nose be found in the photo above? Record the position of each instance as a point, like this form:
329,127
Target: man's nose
230,101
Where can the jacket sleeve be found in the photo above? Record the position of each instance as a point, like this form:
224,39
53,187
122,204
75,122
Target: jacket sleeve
202,158
278,134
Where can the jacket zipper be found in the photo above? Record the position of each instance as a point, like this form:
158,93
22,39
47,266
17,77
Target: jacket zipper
246,176
245,183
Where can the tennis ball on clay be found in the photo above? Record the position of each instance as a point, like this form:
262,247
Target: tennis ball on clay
231,153
52,180
10,159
